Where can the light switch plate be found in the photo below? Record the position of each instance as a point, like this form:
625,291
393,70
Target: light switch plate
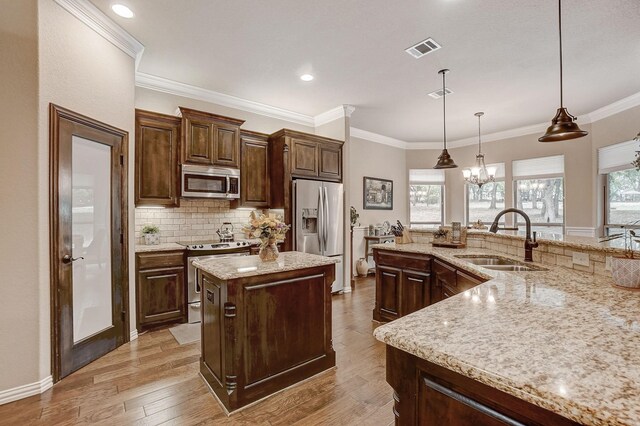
607,263
581,258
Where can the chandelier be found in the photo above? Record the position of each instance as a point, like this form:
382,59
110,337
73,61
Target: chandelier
479,174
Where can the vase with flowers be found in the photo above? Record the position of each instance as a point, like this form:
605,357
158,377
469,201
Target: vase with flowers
625,269
269,229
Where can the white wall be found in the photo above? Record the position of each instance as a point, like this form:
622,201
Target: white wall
20,285
381,161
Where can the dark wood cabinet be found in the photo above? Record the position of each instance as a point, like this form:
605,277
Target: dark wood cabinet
330,161
407,282
428,394
156,159
403,282
304,157
160,288
210,139
255,189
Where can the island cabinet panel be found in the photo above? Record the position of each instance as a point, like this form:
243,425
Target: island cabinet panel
263,333
160,289
210,139
403,284
255,189
444,281
428,394
156,159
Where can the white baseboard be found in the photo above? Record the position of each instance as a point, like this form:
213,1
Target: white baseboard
133,335
578,231
25,391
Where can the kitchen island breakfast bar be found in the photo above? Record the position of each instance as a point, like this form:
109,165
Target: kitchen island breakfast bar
265,325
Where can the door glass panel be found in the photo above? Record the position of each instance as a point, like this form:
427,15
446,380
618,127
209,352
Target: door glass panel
91,237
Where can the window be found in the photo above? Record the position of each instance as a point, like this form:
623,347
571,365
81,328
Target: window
622,186
539,192
426,197
484,203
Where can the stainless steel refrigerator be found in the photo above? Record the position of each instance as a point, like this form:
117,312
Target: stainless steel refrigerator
318,222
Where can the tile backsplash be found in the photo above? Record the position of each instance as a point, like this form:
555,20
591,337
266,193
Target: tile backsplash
194,220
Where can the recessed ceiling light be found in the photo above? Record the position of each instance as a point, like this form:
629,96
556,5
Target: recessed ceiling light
122,10
306,77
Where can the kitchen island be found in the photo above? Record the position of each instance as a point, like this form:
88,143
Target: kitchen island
551,346
265,325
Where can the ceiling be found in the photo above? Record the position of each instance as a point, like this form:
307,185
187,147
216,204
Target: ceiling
503,58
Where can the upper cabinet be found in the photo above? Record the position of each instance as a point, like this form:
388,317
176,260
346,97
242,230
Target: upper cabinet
254,170
311,155
156,159
210,139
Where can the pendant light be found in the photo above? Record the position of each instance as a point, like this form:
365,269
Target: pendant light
563,126
444,160
479,174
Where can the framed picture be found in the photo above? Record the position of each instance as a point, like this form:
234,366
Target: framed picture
377,194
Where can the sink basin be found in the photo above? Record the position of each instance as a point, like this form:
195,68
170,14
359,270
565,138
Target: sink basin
499,263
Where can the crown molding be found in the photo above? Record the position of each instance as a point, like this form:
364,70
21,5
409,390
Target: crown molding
333,114
615,107
377,138
104,26
160,84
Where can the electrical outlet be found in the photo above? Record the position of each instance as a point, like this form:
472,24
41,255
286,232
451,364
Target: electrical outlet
580,258
607,263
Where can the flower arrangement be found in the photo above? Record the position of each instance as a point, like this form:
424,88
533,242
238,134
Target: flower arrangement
151,234
265,227
150,229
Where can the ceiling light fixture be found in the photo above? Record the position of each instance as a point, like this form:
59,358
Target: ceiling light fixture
563,126
306,77
444,160
122,10
479,174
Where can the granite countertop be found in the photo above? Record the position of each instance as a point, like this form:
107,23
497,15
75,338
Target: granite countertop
561,339
247,266
142,248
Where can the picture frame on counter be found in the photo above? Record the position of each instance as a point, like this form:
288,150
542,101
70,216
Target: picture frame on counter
377,193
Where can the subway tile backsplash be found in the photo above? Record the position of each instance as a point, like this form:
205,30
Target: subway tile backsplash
194,220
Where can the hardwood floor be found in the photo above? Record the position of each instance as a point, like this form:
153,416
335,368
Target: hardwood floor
153,381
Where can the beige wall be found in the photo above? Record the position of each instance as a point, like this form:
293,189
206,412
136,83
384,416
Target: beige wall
581,185
168,104
19,288
381,161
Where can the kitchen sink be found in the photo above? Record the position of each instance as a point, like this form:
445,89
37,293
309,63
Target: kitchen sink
499,263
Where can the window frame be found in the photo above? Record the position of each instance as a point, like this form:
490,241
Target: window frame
515,216
466,200
605,214
442,203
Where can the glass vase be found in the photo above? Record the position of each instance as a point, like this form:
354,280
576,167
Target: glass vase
268,250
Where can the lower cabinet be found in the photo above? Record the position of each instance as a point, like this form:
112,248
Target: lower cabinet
407,282
160,288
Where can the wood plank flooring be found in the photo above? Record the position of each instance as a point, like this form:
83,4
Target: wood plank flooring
154,381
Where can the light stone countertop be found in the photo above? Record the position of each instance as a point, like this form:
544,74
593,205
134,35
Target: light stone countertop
247,266
561,339
143,248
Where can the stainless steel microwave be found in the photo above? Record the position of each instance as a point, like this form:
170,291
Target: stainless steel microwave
210,182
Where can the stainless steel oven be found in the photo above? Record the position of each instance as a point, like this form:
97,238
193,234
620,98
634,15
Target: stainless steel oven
210,182
193,285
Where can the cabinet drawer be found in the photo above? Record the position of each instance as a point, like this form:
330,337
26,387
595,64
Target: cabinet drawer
416,262
160,259
465,281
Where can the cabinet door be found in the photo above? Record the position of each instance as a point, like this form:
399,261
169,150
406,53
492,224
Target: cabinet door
330,159
254,173
388,294
304,157
444,277
415,291
226,148
161,296
213,327
466,281
156,159
198,141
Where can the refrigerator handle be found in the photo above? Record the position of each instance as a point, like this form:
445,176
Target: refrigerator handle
325,216
320,220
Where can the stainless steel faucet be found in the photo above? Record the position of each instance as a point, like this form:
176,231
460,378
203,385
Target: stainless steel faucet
529,244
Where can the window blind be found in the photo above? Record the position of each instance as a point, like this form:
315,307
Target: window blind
616,157
426,176
538,167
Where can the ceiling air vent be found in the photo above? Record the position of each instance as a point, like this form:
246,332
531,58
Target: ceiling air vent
438,93
426,46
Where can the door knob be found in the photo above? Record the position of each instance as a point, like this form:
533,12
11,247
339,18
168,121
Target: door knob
68,259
